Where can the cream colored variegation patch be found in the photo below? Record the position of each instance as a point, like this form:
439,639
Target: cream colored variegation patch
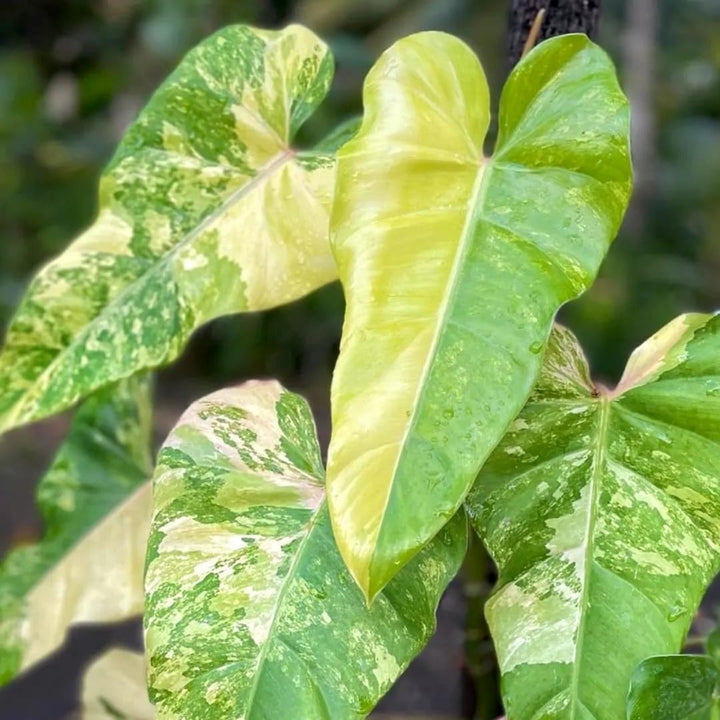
660,353
532,628
109,234
99,580
570,540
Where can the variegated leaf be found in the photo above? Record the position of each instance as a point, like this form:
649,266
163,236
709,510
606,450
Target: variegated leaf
602,511
250,611
206,209
96,503
454,265
114,688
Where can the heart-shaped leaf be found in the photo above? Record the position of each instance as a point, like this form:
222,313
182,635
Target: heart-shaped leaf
602,511
250,611
206,209
454,265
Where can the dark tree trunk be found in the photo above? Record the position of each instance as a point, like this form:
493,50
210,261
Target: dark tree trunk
640,61
561,16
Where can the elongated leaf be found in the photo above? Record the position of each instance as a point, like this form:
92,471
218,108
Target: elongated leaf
675,687
453,266
205,210
114,688
250,611
602,511
95,502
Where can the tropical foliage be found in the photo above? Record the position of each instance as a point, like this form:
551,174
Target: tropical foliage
686,687
457,261
602,511
455,398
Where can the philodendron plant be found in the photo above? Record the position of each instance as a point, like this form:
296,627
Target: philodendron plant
275,587
686,687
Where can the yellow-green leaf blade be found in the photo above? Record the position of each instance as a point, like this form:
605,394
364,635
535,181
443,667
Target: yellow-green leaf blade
206,209
96,503
250,610
453,266
602,512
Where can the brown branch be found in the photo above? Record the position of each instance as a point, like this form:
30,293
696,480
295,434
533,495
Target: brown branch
561,17
534,32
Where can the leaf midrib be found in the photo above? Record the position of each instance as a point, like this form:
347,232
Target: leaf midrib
31,393
475,202
277,607
599,454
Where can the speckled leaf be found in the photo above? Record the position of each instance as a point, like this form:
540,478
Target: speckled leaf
95,502
206,209
250,612
114,688
675,687
454,265
602,511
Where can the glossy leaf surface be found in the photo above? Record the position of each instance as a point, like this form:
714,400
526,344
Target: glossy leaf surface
205,210
453,266
602,511
250,611
675,687
114,688
95,502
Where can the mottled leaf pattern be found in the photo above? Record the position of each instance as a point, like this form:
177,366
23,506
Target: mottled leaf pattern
205,210
602,511
454,265
114,688
95,502
250,612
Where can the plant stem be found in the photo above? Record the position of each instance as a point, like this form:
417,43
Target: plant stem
561,16
534,32
695,641
479,651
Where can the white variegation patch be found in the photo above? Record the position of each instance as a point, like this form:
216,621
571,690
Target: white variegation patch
533,628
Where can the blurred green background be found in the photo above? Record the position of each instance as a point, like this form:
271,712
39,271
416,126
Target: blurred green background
74,73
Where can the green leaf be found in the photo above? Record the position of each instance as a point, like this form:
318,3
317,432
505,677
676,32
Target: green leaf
681,687
712,643
114,688
602,511
250,611
205,210
95,502
675,687
454,265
